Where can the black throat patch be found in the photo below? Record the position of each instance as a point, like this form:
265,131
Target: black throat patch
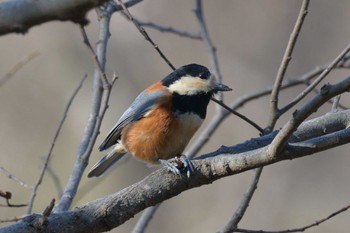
191,103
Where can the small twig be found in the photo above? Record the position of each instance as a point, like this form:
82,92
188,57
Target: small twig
238,215
18,66
13,205
115,7
48,156
209,44
7,196
246,119
99,105
335,104
300,229
56,181
103,75
274,112
325,72
15,219
145,35
49,208
168,29
145,219
43,221
15,178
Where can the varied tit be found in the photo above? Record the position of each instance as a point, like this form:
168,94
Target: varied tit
162,119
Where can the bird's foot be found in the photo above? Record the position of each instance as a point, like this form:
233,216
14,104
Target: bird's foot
178,164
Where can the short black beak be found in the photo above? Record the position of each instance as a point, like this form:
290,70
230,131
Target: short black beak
221,87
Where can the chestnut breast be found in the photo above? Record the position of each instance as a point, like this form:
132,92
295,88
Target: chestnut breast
161,134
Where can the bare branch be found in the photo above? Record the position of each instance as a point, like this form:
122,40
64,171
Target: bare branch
332,101
145,35
103,76
113,210
145,219
168,29
240,102
238,215
246,119
7,195
18,16
209,44
18,66
43,221
109,212
115,7
99,105
330,67
300,229
328,91
15,178
48,156
15,219
56,180
336,103
274,112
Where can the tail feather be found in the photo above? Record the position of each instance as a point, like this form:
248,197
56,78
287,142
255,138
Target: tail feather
105,163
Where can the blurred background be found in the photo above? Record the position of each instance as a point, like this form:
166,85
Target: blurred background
250,37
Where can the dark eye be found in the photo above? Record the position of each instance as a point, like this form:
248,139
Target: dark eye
203,75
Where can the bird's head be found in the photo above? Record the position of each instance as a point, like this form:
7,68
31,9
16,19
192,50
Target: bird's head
192,80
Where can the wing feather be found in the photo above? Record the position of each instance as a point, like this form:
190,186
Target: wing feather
143,103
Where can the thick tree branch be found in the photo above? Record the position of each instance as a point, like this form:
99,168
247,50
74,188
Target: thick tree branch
19,16
328,91
113,210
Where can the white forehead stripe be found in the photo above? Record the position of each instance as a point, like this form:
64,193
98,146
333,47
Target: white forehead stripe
188,85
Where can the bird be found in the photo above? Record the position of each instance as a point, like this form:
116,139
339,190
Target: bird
160,122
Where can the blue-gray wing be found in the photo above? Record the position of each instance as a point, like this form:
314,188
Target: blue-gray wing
143,103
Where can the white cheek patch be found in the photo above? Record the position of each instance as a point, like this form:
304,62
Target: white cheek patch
188,85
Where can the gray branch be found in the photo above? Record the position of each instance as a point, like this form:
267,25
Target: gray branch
92,127
313,136
20,15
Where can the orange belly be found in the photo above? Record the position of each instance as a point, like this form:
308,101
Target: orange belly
150,140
